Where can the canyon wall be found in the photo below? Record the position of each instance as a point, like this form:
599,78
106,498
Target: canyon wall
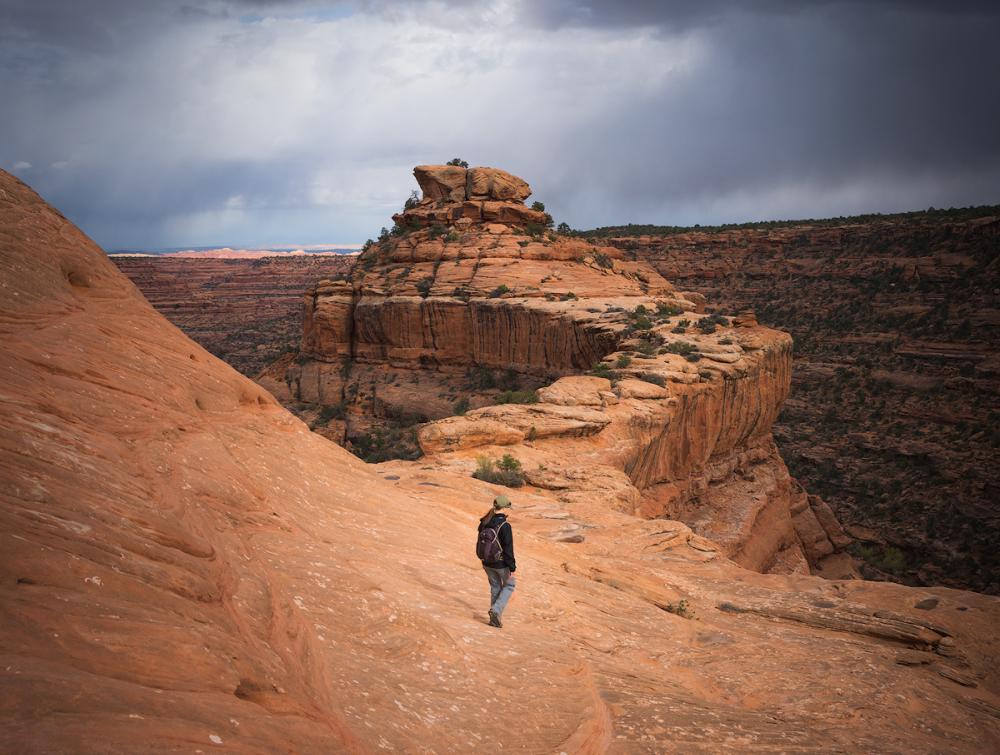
893,413
438,318
245,311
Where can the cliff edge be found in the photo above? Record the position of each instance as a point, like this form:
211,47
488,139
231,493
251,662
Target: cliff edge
638,397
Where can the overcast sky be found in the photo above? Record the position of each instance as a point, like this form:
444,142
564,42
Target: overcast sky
161,123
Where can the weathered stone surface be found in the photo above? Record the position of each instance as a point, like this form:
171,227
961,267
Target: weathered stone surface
493,183
575,390
640,389
185,566
441,182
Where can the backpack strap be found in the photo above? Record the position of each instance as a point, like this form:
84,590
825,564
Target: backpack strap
496,537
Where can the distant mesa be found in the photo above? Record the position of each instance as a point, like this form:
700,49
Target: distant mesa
246,254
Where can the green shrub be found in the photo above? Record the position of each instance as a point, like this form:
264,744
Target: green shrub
668,310
385,443
499,291
568,296
680,347
652,377
889,559
509,464
534,229
517,397
458,161
725,341
424,286
680,608
564,229
532,433
436,230
482,378
507,471
332,411
461,406
624,360
603,260
694,357
678,329
601,369
538,206
645,348
708,324
452,236
412,202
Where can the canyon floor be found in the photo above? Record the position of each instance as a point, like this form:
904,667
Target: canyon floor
187,567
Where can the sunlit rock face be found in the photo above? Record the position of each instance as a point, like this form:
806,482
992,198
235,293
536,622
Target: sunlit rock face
454,307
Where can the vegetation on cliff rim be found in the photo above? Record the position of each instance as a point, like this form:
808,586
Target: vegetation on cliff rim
517,397
931,213
504,471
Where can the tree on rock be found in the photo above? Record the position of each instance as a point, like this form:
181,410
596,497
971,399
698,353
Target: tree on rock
457,161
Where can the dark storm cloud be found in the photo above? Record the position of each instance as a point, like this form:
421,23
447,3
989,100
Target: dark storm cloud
200,121
685,13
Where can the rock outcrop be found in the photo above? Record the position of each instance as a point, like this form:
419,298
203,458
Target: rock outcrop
186,567
455,305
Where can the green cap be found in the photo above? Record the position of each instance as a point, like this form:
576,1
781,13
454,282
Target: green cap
501,502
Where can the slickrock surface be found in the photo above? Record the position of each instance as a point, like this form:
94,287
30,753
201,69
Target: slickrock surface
436,315
245,311
185,567
893,415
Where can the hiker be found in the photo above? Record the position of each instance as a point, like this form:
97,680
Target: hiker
495,548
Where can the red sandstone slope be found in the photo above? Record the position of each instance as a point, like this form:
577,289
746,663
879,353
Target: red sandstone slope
186,567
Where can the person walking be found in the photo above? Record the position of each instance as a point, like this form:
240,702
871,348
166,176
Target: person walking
495,548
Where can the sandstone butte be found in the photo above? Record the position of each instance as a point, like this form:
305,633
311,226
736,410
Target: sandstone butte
685,433
186,567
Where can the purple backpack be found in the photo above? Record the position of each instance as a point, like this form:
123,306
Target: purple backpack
488,545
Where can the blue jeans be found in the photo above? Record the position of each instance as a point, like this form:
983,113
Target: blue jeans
502,585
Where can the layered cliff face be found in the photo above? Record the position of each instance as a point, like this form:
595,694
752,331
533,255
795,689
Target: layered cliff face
186,567
439,318
245,311
892,414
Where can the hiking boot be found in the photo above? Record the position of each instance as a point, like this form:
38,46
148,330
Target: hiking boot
495,620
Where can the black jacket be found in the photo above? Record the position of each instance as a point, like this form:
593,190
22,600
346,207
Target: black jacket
506,539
